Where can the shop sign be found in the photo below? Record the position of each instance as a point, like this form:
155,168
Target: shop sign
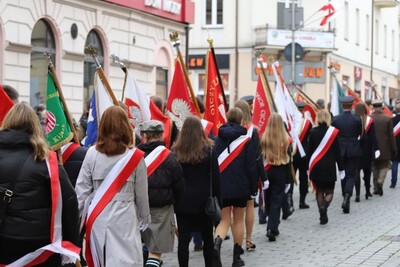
309,39
357,73
199,61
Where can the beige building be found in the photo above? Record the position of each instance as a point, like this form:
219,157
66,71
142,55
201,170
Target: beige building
136,31
361,38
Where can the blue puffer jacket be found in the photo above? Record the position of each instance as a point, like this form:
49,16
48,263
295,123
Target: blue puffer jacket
239,179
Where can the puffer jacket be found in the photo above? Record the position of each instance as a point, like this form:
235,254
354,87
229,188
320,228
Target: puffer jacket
28,214
239,179
165,184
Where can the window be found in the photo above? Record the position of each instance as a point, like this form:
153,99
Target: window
346,21
376,36
367,32
89,66
161,82
214,12
42,40
357,26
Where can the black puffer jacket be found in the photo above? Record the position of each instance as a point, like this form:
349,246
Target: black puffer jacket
239,179
28,215
165,184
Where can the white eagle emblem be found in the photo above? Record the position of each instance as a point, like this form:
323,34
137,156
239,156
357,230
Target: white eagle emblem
180,110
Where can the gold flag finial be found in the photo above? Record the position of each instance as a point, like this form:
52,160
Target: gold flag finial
174,36
210,41
90,50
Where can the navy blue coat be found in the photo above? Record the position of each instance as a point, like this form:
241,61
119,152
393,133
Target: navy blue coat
350,128
239,179
396,119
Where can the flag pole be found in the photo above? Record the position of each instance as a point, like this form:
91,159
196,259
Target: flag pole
210,42
62,99
92,52
306,96
176,42
265,81
353,92
121,64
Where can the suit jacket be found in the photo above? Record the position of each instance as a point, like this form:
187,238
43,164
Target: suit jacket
384,134
350,128
395,121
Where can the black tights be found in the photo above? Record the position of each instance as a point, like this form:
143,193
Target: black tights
324,197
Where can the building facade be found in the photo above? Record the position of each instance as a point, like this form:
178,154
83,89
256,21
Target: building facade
136,31
361,42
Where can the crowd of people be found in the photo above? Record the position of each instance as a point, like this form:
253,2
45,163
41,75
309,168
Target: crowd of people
129,197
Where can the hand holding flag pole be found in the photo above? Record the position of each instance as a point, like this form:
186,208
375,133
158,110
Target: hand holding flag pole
92,52
265,80
61,96
176,42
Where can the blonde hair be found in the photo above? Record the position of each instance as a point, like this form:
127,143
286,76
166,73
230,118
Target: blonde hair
275,141
245,108
323,116
22,117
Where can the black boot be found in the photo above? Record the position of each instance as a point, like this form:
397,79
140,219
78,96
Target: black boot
346,203
290,199
302,204
237,261
323,216
367,193
217,252
380,190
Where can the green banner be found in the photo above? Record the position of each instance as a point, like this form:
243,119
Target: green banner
58,131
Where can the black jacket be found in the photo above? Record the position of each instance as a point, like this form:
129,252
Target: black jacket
74,163
239,179
396,120
165,184
28,215
350,129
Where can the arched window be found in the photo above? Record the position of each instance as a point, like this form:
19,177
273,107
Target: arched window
89,67
42,41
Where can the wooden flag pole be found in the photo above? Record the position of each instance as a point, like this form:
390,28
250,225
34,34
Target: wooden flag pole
306,96
265,81
176,42
91,51
62,99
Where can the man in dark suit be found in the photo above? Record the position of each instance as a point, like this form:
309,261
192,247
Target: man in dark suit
396,158
387,146
350,128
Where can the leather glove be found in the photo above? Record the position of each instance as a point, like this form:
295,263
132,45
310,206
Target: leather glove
377,154
342,174
287,188
265,185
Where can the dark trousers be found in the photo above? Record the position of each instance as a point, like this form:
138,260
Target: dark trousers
351,166
262,210
275,195
366,178
301,165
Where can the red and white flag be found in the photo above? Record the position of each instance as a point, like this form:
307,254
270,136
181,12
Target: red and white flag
179,104
5,104
215,111
262,107
330,10
141,108
310,110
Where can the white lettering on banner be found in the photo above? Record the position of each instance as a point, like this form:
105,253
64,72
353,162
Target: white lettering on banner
171,6
153,3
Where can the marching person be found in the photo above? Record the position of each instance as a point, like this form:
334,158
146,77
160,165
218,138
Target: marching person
112,194
396,158
387,146
29,169
300,163
199,162
369,144
165,187
238,168
350,130
323,152
275,150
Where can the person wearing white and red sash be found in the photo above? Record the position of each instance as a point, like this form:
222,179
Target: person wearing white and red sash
387,146
165,188
238,168
275,145
369,144
112,194
323,154
72,155
43,213
300,163
396,158
199,162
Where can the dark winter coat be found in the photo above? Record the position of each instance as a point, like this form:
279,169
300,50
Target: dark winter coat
369,144
239,179
27,220
324,171
396,120
197,185
384,134
74,163
165,184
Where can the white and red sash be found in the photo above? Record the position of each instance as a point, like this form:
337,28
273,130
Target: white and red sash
155,158
110,186
67,150
368,123
267,165
237,146
303,131
65,248
396,129
207,126
323,147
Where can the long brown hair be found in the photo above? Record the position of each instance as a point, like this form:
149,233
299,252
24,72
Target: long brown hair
22,117
361,110
192,145
275,141
245,108
115,133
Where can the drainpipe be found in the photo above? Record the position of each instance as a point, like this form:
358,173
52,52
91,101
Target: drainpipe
236,51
